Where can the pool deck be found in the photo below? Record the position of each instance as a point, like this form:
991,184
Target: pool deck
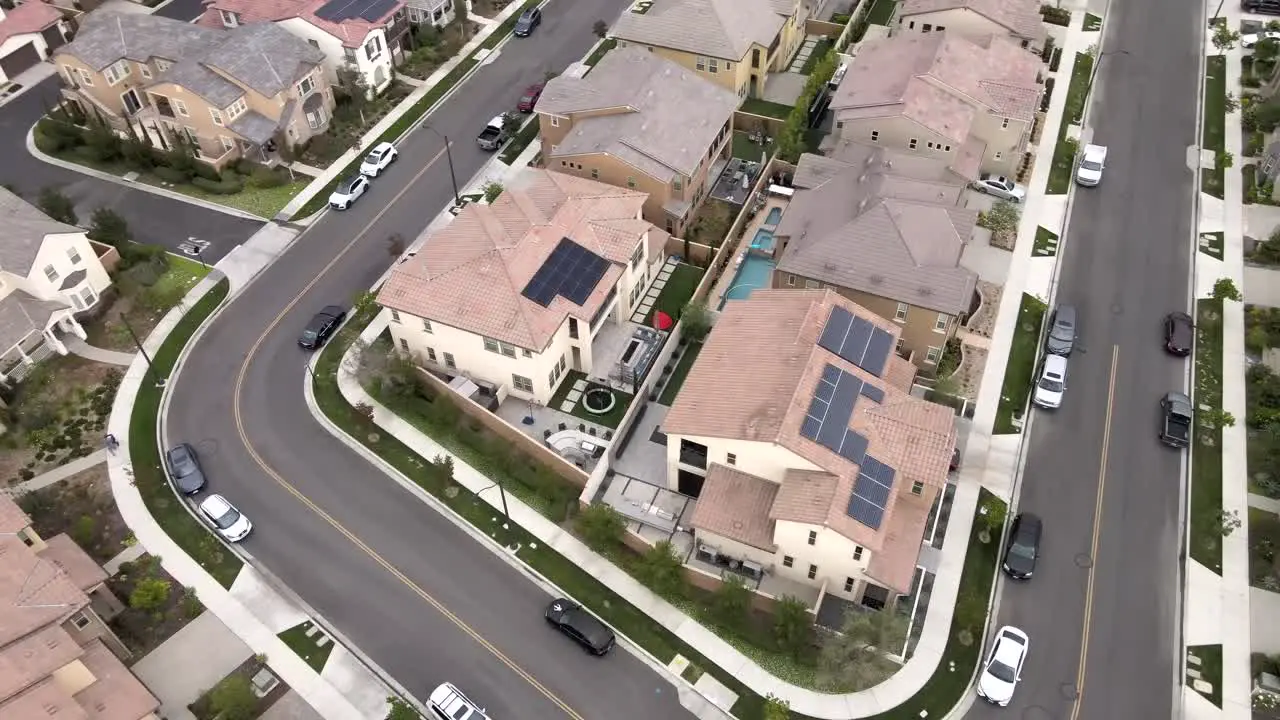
743,245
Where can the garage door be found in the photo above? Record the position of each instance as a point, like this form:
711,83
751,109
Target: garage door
19,60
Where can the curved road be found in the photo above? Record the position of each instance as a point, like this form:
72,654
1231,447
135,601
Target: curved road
1101,610
414,593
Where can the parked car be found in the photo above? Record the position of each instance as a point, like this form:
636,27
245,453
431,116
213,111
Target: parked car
529,20
1261,7
529,99
1176,411
379,159
184,469
1001,187
1024,546
321,327
1251,40
1062,331
573,620
225,518
1092,161
1052,383
447,702
1179,333
348,191
1003,669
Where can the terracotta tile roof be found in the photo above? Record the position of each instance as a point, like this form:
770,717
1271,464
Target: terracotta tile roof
31,659
736,505
895,562
351,33
806,496
754,380
1020,17
12,518
29,17
33,592
941,81
117,695
45,701
62,551
470,275
716,28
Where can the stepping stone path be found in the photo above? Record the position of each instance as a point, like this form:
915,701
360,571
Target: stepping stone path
575,394
802,57
651,296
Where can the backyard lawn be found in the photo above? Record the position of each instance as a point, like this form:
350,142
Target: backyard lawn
1064,153
609,419
756,106
1206,454
1215,122
882,12
742,147
677,292
1021,367
678,375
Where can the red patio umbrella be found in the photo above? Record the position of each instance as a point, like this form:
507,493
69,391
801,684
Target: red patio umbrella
662,321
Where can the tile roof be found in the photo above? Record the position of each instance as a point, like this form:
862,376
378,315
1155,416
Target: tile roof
25,228
470,274
33,658
45,700
735,504
117,695
716,28
82,570
105,36
888,227
1020,17
256,127
894,564
351,32
664,117
764,349
29,17
12,518
33,592
21,314
941,81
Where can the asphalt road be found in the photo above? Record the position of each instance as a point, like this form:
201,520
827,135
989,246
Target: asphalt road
382,611
1127,263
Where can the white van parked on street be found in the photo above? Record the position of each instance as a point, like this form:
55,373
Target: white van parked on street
1052,383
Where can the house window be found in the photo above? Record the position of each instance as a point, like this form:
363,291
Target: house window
524,352
912,143
448,361
677,184
555,121
813,571
700,63
431,354
227,143
80,620
426,326
631,182
900,314
236,109
857,552
145,70
491,345
373,48
848,584
404,344
999,155
875,136
813,537
917,488
116,72
788,561
940,28
898,345
946,148
932,356
86,78
229,19
217,117
51,272
395,316
1004,123
940,325
711,65
812,284
731,458
929,145
522,383
181,107
499,347
595,174
791,281
163,65
74,254
306,86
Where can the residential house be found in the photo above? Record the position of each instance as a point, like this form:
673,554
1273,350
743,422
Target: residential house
642,122
58,658
372,37
229,93
886,230
515,293
28,33
735,43
49,273
939,94
975,20
796,431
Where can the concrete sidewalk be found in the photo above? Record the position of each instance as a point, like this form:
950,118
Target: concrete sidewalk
89,352
58,474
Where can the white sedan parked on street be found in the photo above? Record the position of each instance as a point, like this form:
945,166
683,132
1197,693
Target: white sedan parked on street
348,191
1092,161
378,159
224,516
1003,669
1250,41
1001,187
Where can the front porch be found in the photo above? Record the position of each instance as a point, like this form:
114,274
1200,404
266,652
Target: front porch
35,343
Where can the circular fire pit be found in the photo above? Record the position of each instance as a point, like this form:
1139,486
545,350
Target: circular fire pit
598,400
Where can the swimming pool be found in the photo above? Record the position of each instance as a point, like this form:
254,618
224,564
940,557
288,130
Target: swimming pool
775,214
754,272
763,240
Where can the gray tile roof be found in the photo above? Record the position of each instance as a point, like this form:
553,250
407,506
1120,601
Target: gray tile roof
715,28
21,314
106,36
264,56
665,116
192,75
25,228
255,127
876,225
73,279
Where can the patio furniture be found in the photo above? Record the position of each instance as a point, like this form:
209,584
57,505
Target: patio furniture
546,434
608,434
562,426
591,430
582,427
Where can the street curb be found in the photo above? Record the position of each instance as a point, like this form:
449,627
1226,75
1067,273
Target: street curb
143,187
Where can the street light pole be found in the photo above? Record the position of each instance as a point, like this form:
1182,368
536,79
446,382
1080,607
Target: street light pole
448,154
151,370
199,252
502,491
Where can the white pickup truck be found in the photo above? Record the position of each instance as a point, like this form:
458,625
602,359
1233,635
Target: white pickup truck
494,134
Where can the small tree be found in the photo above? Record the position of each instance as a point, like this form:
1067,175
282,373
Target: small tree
1217,418
398,709
661,570
106,226
364,302
149,594
696,320
1230,103
233,699
356,88
1225,289
85,531
1227,522
1226,160
1002,218
712,224
731,602
854,659
492,190
991,516
1224,38
600,28
776,709
600,526
792,626
54,203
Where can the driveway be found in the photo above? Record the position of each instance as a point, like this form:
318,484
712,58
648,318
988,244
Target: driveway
498,650
189,663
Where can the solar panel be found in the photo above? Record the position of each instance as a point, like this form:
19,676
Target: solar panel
840,410
877,355
865,512
837,327
857,340
571,271
871,492
339,10
854,447
873,393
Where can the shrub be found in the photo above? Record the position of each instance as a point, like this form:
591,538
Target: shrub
106,226
600,526
170,175
1055,15
84,531
206,171
54,203
731,602
792,626
149,594
233,699
267,178
218,187
661,570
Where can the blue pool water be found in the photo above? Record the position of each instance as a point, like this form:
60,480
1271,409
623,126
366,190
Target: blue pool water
754,272
775,214
763,240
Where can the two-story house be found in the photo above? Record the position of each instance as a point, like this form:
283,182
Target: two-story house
796,431
372,37
58,657
514,293
734,43
228,93
975,20
49,273
939,94
886,230
642,122
28,33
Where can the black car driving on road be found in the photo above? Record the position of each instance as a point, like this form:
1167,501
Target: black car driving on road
1024,546
1179,333
321,327
184,469
573,620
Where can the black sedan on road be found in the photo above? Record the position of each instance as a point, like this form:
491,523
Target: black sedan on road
1179,333
184,469
573,620
1024,547
321,327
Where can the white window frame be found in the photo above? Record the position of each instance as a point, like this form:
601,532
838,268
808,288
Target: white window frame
431,354
700,63
555,121
521,383
117,71
426,326
941,323
80,620
1004,123
51,273
404,344
900,313
88,296
857,553
180,107
74,255
227,143
145,70
449,362
217,117
306,85
912,143
713,65
162,64
86,77
236,109
917,488
933,355
229,19
395,316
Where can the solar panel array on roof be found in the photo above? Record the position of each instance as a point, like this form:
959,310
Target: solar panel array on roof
872,393
827,422
571,271
871,492
857,340
370,10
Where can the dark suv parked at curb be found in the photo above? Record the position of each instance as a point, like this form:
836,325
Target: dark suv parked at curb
1024,547
1262,7
1179,333
573,620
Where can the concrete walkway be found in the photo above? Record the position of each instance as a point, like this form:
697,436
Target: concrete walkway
189,663
110,357
127,555
58,474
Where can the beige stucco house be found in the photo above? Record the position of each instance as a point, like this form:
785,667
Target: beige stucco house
58,658
939,95
229,93
734,43
513,294
976,20
796,430
887,230
641,122
49,273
